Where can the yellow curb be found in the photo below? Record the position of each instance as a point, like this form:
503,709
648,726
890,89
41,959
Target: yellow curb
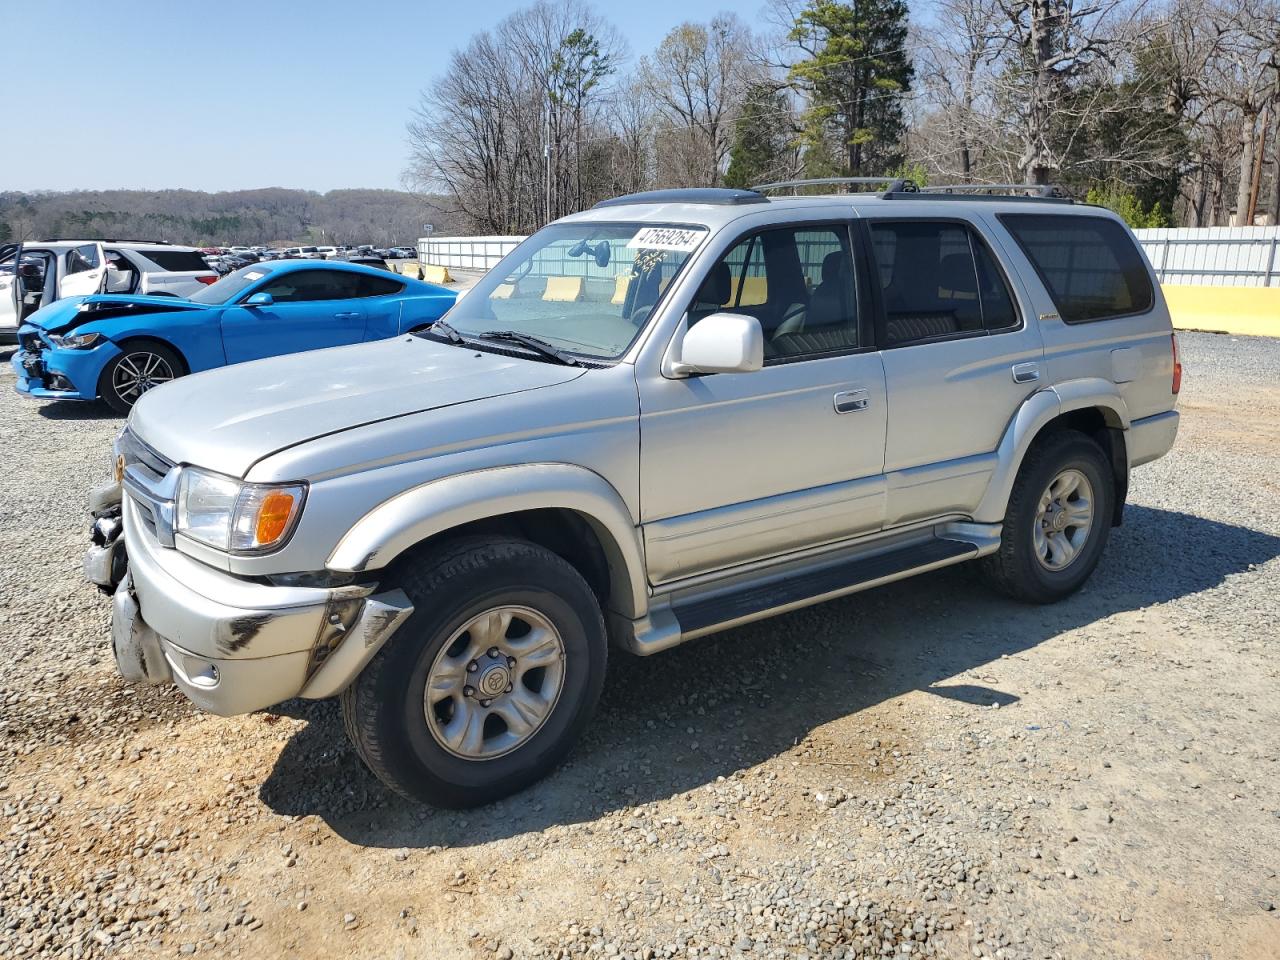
1244,311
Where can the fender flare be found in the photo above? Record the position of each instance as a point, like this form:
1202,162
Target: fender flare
438,506
1036,411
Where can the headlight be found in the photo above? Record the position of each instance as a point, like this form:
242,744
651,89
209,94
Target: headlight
77,341
235,516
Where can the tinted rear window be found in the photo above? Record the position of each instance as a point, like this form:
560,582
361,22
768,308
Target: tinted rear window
378,286
1090,265
178,261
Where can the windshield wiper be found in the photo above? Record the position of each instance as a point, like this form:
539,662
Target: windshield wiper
536,344
443,331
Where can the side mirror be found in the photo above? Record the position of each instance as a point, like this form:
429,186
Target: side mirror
722,343
260,300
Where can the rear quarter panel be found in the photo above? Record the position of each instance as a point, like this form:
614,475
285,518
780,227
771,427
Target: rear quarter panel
1134,353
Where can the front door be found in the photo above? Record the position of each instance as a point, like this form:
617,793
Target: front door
310,309
10,289
961,354
84,271
745,466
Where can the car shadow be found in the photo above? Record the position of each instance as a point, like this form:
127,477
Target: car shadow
77,410
677,721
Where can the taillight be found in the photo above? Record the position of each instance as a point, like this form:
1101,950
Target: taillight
214,279
1177,367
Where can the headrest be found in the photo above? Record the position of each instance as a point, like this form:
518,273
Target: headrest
833,266
718,286
956,278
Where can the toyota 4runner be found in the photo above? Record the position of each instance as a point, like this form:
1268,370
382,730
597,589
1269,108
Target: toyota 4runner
668,415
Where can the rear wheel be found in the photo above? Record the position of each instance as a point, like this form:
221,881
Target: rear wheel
140,367
1057,522
488,684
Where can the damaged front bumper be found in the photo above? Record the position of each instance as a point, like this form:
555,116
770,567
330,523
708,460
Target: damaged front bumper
231,645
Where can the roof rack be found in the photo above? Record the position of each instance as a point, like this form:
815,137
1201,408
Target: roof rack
997,191
713,195
158,243
891,184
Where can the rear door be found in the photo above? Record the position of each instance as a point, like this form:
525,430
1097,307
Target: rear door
10,290
962,351
84,271
311,309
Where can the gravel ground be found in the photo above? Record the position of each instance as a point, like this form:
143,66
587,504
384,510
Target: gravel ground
923,769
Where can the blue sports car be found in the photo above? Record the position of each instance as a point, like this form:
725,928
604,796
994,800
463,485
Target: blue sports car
118,347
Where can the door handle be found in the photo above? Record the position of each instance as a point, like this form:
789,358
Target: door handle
345,316
1026,372
851,401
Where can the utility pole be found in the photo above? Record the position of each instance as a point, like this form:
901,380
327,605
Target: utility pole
546,162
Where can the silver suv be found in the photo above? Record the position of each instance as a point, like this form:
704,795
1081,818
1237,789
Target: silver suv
674,413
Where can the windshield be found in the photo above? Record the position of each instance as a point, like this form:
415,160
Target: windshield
226,289
583,287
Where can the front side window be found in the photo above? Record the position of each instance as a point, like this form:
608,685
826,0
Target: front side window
937,281
797,281
305,286
1090,265
585,288
83,258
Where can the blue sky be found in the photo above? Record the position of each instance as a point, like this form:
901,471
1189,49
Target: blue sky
230,95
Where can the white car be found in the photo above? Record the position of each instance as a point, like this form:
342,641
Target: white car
328,253
35,274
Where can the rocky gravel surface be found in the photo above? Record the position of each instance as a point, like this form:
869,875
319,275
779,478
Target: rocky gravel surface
920,770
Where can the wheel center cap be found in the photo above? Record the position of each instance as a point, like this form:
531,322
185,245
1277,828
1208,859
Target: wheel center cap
1059,520
493,681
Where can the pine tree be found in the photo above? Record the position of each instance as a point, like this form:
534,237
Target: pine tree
762,136
855,73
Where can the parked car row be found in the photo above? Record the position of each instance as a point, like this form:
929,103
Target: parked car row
224,260
653,420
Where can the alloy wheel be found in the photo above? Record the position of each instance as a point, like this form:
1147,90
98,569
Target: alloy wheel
494,683
1064,520
138,372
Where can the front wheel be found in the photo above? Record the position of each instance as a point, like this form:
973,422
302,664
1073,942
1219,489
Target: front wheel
488,684
139,368
1057,522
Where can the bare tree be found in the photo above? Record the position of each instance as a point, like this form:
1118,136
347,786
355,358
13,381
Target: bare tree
697,78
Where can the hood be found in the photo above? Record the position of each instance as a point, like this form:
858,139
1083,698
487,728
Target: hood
71,312
230,418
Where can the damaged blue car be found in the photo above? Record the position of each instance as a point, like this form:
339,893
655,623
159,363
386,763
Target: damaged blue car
118,347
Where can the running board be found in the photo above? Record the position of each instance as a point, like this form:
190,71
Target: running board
696,616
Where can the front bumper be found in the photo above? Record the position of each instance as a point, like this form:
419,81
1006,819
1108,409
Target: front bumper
45,372
233,645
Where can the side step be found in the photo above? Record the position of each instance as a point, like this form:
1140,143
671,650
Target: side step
699,615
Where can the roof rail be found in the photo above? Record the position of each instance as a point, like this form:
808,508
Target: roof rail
1000,191
158,243
713,195
891,184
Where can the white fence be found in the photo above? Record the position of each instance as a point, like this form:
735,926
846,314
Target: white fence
1214,256
465,253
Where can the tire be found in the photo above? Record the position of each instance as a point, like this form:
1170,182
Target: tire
141,365
1045,554
404,739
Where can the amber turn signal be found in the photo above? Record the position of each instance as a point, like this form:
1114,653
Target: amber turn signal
273,516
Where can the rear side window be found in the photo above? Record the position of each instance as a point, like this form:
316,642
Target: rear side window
176,261
378,286
1090,265
937,281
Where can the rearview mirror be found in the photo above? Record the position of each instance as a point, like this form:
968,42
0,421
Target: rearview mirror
260,300
722,343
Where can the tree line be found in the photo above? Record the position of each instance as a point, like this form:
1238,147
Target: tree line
275,216
1166,110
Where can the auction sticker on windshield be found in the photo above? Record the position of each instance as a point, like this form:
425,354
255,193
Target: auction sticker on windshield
682,239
